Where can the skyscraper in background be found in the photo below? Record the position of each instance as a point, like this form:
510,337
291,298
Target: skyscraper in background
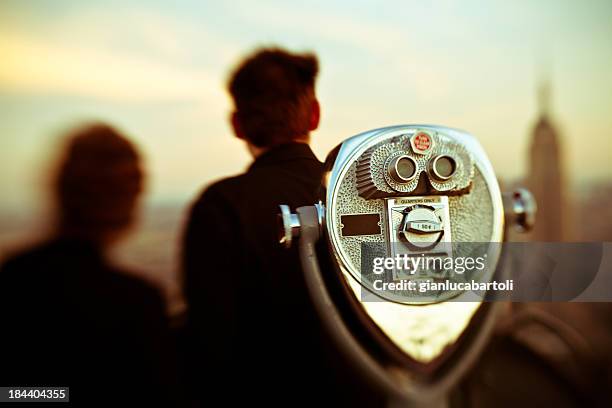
545,177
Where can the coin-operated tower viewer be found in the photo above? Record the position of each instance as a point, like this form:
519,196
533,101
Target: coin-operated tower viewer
407,191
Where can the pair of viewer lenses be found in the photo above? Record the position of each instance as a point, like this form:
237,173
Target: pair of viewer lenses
404,169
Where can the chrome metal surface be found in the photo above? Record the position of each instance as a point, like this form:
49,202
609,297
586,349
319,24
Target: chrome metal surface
475,212
288,227
520,209
470,209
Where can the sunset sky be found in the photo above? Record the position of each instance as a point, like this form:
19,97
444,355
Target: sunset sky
157,70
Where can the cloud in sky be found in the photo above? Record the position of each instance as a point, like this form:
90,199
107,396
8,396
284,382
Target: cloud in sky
90,57
36,67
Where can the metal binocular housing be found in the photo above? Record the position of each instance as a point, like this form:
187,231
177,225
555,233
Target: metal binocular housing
411,190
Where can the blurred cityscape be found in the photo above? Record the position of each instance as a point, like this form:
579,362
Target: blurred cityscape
573,213
579,213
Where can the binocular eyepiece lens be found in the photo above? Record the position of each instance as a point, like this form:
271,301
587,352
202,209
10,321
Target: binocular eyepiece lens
443,167
402,169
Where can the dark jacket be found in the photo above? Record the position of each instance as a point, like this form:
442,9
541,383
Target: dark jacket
70,319
250,316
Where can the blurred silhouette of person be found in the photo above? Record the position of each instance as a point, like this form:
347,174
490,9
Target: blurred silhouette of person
69,317
254,334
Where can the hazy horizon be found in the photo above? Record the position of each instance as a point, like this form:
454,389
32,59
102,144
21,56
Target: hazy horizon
157,70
